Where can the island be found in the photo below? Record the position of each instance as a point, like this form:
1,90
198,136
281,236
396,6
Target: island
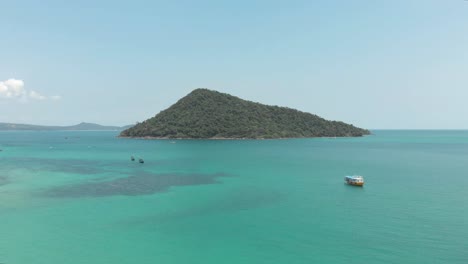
208,114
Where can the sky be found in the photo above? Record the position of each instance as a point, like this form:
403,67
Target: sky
400,64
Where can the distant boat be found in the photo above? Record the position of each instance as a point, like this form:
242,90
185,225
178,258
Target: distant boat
141,161
354,180
132,158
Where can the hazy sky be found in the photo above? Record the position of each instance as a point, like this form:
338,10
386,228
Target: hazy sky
375,64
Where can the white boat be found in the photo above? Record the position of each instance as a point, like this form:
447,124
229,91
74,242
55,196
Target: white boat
355,180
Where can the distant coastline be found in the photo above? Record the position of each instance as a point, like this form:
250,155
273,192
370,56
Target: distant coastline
78,127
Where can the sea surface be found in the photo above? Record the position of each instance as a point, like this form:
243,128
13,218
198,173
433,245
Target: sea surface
76,197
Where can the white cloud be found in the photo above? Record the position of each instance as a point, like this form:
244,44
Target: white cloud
35,95
14,89
11,88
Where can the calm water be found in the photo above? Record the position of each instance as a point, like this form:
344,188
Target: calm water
75,197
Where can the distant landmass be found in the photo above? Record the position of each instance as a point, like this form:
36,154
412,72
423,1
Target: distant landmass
207,114
80,126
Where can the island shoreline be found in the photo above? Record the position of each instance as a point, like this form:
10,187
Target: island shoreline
223,138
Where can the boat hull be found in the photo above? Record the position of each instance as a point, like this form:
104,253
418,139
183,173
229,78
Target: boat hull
359,184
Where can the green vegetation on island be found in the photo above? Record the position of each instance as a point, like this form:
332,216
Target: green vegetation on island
210,114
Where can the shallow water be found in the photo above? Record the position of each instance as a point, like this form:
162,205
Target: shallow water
75,197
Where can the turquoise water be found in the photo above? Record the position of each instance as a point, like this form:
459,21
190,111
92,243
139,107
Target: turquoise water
75,197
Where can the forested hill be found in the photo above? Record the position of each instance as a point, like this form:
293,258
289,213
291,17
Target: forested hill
210,114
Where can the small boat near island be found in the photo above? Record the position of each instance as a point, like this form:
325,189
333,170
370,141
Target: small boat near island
132,158
141,161
354,180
